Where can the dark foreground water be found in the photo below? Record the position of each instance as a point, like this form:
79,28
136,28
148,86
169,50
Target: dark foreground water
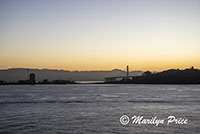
59,109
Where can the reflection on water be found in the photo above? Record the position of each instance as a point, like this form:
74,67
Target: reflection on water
91,108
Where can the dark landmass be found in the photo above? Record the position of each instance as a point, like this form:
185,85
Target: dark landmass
172,76
28,82
16,74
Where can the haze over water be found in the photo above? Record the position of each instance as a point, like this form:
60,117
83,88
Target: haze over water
94,108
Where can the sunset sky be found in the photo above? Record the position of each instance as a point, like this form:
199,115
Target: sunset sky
150,35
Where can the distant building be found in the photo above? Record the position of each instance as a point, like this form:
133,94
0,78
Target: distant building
32,78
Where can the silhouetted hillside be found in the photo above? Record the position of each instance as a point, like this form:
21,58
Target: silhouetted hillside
16,74
172,76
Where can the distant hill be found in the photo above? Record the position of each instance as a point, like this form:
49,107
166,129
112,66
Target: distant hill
15,74
172,76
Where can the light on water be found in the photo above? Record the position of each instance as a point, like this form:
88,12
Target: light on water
97,108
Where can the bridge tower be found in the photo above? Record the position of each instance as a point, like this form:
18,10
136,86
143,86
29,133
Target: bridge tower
127,71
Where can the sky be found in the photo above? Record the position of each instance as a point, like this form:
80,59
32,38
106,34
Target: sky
150,35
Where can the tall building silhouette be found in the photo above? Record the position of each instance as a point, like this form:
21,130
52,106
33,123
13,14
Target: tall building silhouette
32,78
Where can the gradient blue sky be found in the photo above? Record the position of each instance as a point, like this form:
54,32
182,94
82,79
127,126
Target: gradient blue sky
100,34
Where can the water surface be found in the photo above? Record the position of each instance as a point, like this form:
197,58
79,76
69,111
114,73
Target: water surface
96,108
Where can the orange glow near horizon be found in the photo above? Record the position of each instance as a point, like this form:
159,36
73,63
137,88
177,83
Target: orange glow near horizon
146,35
106,65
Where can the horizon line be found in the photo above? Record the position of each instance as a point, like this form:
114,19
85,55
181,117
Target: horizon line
91,70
